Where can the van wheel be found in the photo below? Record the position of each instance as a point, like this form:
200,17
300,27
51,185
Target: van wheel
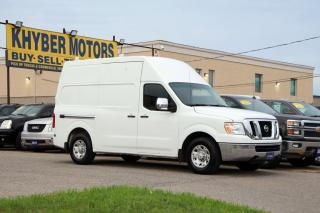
203,156
130,158
81,148
245,166
301,162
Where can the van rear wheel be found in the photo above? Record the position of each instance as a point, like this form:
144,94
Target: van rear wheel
130,158
81,148
203,156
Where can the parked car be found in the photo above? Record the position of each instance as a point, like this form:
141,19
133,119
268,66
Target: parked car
293,107
153,106
7,109
11,126
37,134
297,147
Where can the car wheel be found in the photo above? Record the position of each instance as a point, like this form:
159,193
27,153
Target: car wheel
130,158
245,166
81,148
203,156
301,162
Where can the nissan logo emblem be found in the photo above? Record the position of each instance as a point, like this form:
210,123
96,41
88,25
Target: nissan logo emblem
266,128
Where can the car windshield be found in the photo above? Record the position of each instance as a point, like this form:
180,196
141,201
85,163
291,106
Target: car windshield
306,109
192,94
28,110
255,105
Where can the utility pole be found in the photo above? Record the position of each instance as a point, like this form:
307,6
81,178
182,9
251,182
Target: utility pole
8,78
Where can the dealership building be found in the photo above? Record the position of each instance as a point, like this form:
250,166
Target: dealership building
227,73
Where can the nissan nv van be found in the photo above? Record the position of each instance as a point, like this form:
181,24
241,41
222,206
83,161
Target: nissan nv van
156,107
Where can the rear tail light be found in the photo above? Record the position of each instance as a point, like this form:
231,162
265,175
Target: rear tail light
53,120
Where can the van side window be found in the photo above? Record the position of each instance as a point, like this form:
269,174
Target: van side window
150,94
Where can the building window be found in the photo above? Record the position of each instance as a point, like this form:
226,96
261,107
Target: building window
293,87
198,71
258,83
211,77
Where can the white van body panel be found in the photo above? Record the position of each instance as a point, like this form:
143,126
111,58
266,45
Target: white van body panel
105,98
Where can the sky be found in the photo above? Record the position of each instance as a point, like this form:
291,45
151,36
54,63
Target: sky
228,25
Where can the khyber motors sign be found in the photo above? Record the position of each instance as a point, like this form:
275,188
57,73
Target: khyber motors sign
44,50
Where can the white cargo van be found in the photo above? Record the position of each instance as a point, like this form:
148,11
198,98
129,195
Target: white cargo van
156,107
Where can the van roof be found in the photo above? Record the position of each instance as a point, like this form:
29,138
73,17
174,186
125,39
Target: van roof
156,68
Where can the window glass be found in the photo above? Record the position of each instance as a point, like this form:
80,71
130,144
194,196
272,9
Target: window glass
47,112
293,87
198,71
230,102
211,77
307,109
258,83
28,110
7,110
255,105
197,94
150,94
282,108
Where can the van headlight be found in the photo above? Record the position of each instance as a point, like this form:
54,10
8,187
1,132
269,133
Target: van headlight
6,124
234,128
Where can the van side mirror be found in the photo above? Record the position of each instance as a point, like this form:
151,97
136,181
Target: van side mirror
162,104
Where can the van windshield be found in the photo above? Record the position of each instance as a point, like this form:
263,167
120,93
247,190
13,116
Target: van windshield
192,94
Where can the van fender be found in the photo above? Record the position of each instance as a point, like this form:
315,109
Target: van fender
76,125
198,128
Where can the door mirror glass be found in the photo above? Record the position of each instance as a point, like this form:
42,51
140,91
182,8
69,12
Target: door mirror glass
162,104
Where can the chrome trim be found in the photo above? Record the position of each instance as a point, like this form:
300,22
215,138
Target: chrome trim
311,129
257,128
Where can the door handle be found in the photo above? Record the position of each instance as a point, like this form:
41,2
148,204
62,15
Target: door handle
131,116
144,116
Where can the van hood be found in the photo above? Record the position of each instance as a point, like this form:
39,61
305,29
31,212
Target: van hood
237,115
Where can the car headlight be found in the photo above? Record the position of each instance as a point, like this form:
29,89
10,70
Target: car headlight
293,127
6,124
233,128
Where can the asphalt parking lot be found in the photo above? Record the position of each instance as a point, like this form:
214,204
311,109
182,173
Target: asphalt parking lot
285,189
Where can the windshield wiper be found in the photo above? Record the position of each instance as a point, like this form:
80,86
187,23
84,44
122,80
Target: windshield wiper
215,105
315,116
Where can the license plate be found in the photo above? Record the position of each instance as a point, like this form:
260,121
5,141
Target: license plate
34,142
270,155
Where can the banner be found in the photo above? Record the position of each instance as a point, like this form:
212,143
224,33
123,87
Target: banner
44,50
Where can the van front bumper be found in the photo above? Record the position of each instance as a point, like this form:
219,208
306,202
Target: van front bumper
7,136
298,149
239,152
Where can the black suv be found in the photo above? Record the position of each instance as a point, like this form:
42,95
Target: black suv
7,109
300,145
11,126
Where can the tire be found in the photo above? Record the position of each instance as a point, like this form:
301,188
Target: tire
130,158
272,164
301,162
18,143
248,167
81,148
210,158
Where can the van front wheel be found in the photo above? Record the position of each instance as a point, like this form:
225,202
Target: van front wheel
203,156
81,149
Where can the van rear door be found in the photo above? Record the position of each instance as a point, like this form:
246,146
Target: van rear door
116,120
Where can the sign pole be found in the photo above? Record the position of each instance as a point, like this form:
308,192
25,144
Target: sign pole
8,78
